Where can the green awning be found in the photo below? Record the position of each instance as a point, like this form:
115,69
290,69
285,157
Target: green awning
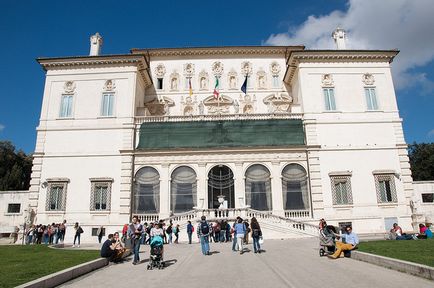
220,134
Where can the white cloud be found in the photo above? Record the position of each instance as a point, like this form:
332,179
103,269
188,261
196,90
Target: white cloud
431,133
406,25
2,127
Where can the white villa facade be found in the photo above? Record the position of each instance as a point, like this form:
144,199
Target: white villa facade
316,135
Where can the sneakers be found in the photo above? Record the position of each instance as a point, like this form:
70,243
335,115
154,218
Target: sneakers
73,245
78,246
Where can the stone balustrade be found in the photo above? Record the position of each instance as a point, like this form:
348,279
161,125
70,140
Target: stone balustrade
216,117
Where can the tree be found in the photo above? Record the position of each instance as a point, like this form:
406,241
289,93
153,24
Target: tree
422,161
15,168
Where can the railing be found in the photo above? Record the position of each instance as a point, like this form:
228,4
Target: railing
181,118
285,223
297,214
148,217
230,213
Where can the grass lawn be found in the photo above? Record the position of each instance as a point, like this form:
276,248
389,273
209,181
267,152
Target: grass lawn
418,251
20,264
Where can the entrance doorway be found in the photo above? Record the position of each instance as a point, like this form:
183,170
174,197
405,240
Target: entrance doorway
221,182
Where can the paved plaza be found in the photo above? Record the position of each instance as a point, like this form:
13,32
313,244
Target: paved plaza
285,263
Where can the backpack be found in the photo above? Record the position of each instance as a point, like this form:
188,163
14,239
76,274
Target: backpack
169,229
204,227
256,233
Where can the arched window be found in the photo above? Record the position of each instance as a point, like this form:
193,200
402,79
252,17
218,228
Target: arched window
294,188
258,188
147,191
184,189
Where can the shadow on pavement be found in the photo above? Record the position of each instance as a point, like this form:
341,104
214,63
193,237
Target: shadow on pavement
168,263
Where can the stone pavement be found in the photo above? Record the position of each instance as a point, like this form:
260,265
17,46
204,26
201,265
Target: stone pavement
285,263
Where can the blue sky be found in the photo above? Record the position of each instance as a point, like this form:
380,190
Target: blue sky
31,29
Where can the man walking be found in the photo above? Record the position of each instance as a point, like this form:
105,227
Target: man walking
203,231
190,230
135,231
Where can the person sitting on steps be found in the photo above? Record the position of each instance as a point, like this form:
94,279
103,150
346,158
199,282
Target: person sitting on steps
351,242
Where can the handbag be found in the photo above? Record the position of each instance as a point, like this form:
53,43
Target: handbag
261,240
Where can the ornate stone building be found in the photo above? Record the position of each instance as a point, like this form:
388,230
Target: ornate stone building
168,133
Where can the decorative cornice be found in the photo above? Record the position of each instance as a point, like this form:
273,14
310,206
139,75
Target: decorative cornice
108,60
324,56
225,50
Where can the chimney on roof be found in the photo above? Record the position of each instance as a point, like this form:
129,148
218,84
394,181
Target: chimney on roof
95,44
339,36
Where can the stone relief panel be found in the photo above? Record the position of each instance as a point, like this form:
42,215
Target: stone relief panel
189,69
69,87
368,79
327,80
275,68
160,107
217,68
261,77
109,85
246,68
247,104
203,80
174,81
221,105
160,70
189,105
278,103
232,79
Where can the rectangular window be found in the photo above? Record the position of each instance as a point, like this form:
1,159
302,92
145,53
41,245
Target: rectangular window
428,197
56,197
385,186
14,208
107,104
159,83
276,82
371,99
95,231
329,99
100,195
343,225
66,106
341,190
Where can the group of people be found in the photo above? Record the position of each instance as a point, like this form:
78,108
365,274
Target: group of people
135,234
46,234
238,232
396,233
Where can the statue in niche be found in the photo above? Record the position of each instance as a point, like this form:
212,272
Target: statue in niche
261,82
201,108
202,83
236,107
174,84
166,108
270,107
188,111
232,82
248,109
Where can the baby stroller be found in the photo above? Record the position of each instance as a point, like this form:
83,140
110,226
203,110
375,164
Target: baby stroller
156,255
327,240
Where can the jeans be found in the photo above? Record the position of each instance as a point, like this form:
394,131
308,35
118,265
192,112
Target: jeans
204,243
46,239
256,246
77,237
136,247
189,237
30,239
240,239
234,243
170,238
99,238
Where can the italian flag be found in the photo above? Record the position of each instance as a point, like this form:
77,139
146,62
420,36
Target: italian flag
216,88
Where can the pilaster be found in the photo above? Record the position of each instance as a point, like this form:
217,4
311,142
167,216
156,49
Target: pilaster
240,193
164,191
202,189
276,189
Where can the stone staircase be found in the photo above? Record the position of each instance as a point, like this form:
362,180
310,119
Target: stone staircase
273,226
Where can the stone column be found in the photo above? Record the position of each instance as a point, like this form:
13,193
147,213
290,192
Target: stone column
240,194
164,191
276,189
202,187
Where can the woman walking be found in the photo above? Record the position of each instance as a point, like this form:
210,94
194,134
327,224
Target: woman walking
240,231
78,231
256,234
